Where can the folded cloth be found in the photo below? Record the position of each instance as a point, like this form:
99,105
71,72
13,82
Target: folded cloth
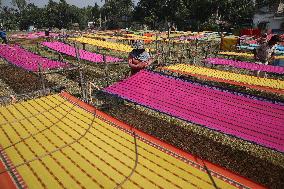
144,56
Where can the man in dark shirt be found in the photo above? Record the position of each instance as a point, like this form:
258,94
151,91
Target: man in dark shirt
265,53
3,36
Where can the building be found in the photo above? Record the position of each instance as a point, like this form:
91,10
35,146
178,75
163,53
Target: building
270,17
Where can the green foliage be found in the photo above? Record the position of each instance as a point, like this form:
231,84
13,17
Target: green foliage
31,15
115,11
60,15
194,14
9,18
20,4
92,13
264,3
186,14
150,12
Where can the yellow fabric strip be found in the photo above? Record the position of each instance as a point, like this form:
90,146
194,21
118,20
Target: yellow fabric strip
224,75
247,55
104,44
279,57
103,158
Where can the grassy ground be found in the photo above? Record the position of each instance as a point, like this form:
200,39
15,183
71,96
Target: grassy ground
260,164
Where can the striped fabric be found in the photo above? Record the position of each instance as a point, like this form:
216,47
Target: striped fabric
242,54
34,35
94,151
228,53
253,120
104,44
279,57
246,65
265,84
85,55
28,60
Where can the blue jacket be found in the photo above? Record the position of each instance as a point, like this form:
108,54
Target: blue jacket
2,34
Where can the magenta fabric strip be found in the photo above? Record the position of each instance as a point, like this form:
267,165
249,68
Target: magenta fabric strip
250,119
28,60
85,55
246,65
34,35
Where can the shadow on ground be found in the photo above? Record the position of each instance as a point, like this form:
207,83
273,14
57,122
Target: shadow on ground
21,81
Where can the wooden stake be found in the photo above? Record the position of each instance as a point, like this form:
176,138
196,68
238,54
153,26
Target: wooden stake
41,75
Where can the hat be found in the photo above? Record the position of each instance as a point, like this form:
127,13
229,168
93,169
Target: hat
137,45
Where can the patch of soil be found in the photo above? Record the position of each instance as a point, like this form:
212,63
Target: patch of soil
21,81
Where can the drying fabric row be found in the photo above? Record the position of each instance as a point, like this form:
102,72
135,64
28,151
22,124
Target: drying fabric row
250,119
84,55
243,54
104,44
33,35
246,65
27,60
253,82
60,142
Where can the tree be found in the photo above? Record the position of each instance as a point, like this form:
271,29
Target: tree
175,11
92,13
51,14
61,14
20,4
264,3
238,11
32,15
192,14
9,18
150,12
54,14
116,11
186,14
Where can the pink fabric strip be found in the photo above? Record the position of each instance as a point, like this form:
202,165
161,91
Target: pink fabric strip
246,65
28,60
250,119
85,55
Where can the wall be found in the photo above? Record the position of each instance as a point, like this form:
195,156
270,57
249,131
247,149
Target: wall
274,22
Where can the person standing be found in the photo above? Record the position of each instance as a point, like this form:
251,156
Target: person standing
3,36
47,32
139,58
265,53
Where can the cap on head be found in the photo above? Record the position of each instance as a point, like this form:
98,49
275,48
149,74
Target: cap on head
138,45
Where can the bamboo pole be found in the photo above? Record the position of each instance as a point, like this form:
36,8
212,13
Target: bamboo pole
106,70
42,80
156,42
82,80
77,52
